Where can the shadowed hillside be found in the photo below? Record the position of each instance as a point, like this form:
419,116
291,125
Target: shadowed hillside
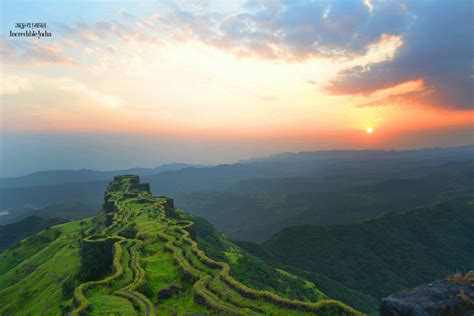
387,253
12,233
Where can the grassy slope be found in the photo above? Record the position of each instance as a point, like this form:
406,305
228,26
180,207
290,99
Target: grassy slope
330,287
35,274
251,270
385,254
137,249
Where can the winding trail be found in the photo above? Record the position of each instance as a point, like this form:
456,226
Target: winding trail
128,292
212,284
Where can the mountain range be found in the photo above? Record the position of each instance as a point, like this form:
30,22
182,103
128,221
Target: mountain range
353,226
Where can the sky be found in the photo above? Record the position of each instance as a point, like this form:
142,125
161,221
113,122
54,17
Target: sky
121,84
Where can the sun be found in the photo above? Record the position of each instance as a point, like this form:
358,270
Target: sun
370,130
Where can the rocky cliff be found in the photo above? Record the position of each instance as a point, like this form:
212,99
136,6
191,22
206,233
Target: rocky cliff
453,296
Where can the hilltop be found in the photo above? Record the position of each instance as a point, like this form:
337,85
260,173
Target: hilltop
141,256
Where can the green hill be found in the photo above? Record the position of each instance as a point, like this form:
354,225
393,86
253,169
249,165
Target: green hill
12,233
387,253
141,256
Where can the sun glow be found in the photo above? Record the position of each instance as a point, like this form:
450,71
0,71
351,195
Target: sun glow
370,130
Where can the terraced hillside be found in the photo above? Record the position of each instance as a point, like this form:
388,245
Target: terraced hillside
138,256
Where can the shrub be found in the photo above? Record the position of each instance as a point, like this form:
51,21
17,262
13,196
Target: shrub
68,287
128,232
169,291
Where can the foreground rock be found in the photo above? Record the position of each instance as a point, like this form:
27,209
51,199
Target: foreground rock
453,296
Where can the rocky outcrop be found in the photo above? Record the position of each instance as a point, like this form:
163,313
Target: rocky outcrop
453,296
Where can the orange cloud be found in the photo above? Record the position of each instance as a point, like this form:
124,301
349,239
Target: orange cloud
404,94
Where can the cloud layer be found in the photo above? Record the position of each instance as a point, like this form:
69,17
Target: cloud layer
432,41
438,48
437,39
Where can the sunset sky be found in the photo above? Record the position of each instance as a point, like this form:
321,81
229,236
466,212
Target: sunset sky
121,84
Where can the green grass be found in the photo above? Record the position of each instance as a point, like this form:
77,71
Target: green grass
105,304
151,249
103,300
35,285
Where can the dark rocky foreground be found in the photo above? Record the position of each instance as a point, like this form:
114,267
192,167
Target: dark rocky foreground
453,296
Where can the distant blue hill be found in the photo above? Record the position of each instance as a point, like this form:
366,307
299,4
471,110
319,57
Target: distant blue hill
54,177
223,194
